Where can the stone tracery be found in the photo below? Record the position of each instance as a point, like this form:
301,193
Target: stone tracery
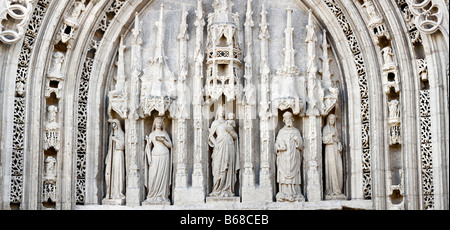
319,98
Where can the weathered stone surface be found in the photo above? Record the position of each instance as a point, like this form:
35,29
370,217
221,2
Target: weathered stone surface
222,104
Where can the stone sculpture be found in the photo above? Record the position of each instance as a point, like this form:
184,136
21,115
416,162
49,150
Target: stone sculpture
49,190
394,122
71,24
55,77
158,166
52,130
115,166
334,170
225,157
288,146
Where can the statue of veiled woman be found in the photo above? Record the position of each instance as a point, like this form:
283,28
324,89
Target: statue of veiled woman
158,166
334,172
115,164
225,157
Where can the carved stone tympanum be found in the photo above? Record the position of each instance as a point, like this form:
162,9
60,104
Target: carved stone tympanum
224,104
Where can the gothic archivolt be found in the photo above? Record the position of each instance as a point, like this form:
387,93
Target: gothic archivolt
220,103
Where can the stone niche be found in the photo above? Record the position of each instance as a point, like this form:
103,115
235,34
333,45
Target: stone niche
252,60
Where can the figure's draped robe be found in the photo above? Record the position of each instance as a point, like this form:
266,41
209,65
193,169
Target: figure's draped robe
333,162
289,161
115,168
225,160
158,173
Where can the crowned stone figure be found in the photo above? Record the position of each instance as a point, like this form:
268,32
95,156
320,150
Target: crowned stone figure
158,166
225,157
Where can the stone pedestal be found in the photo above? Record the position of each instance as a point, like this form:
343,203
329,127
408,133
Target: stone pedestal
114,202
336,197
223,200
153,203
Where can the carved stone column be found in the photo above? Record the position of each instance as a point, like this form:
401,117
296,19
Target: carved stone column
248,181
266,132
313,141
198,177
134,188
312,122
181,177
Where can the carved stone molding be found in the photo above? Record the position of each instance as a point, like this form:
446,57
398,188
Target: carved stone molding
427,15
18,12
18,133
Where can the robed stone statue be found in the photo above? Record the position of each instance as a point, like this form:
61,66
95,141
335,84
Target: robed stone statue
115,166
225,157
334,172
288,146
158,170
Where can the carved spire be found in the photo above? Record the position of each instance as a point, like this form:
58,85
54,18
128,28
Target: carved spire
249,57
118,96
136,31
158,84
311,40
223,6
264,33
249,37
264,36
199,57
183,36
183,68
136,69
199,23
136,46
159,52
121,66
313,87
289,51
326,74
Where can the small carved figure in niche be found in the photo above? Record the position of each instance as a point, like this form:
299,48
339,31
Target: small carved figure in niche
50,168
115,163
52,110
388,57
49,192
371,10
334,170
394,123
288,146
52,130
55,76
77,11
158,166
393,109
225,157
57,61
